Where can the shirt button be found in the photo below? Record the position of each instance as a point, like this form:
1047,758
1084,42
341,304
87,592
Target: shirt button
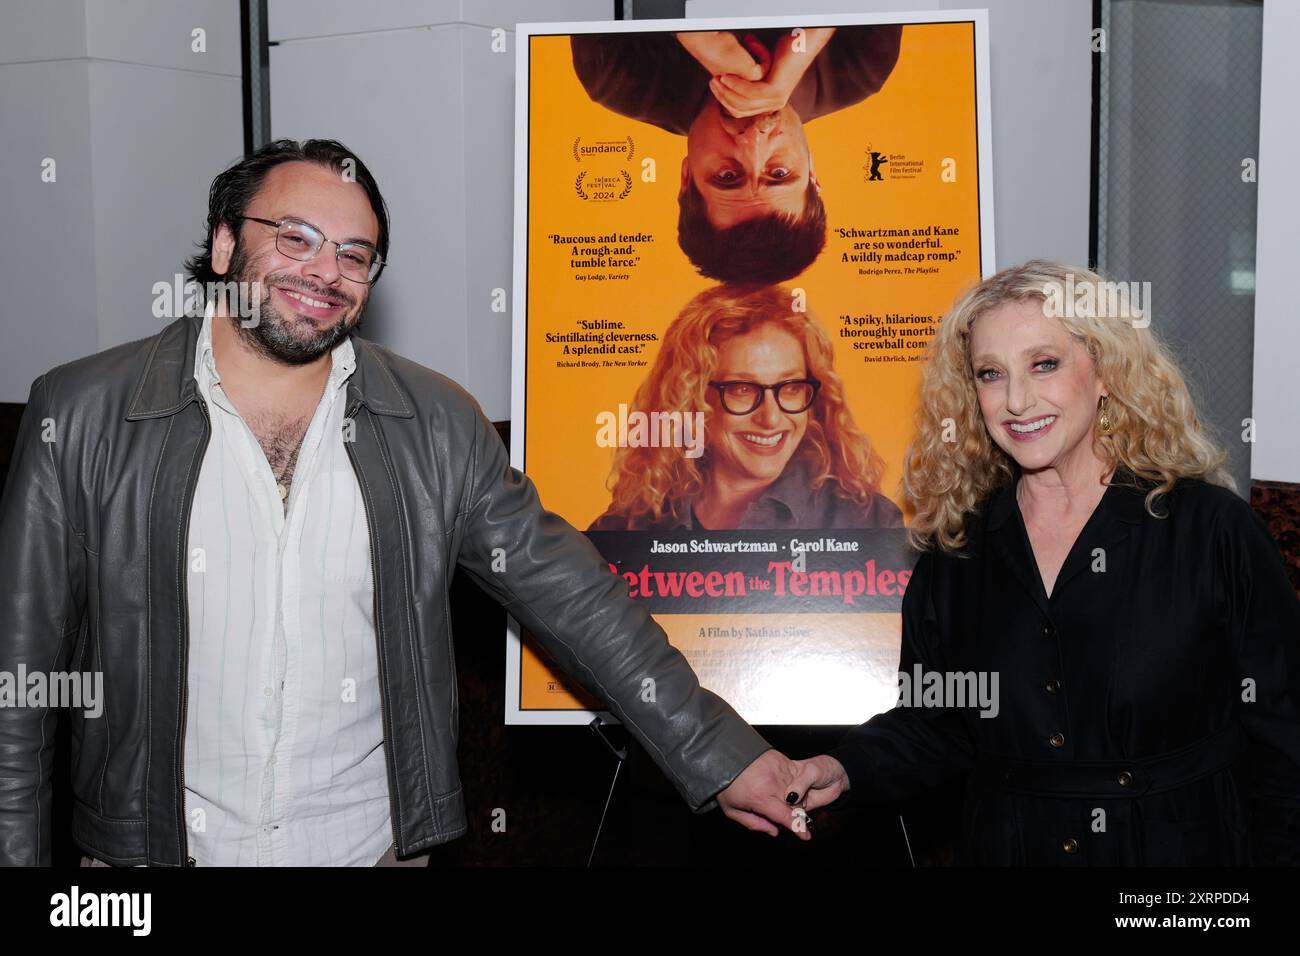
1071,845
1052,686
267,691
1125,779
1057,740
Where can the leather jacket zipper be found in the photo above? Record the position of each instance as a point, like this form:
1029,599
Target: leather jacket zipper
379,640
187,505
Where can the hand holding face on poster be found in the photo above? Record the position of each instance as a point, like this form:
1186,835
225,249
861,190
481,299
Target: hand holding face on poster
782,69
719,52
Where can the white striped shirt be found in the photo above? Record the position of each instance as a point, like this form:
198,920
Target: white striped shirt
284,756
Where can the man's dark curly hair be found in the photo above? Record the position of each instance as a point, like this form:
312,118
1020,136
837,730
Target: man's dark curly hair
763,250
234,189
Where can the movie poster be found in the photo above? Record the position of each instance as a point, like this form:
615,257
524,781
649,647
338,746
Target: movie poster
733,242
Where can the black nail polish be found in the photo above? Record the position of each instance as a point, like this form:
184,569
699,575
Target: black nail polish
792,798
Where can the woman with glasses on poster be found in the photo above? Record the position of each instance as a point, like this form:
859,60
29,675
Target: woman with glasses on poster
1081,541
781,449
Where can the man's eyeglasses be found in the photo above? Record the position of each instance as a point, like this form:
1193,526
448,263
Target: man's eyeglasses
792,396
300,240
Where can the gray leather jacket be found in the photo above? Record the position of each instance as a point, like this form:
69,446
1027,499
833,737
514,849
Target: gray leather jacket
93,531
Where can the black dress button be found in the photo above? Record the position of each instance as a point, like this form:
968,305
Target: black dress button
1125,779
1057,740
1048,630
1052,686
1071,845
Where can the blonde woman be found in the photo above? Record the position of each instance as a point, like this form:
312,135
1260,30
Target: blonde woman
1083,544
781,449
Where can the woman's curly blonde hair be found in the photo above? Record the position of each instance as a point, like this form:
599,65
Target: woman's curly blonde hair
652,484
1155,432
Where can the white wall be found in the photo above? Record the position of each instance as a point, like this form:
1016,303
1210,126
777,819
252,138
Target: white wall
138,124
1041,78
47,244
415,89
1276,406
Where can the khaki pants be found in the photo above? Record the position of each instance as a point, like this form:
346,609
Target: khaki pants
388,859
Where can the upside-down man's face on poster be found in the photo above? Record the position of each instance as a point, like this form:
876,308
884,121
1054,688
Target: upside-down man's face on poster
751,208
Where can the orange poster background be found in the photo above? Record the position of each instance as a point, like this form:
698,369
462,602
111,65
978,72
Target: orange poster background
926,111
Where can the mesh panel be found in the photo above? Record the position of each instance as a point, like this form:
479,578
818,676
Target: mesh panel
1179,114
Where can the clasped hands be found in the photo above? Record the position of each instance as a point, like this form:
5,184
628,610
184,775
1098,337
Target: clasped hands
775,791
748,79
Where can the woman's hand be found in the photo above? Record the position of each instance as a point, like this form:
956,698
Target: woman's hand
818,781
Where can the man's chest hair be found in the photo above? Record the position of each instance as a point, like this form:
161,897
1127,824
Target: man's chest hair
280,436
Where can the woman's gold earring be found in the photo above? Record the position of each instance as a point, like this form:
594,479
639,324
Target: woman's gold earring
1104,423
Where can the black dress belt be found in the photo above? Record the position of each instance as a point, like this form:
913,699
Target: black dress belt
1113,778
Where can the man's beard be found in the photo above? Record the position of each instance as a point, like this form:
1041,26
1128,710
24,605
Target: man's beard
272,336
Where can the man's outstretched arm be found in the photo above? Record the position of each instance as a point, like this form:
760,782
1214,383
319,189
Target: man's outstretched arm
553,580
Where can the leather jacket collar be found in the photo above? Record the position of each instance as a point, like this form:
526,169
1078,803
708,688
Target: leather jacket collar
167,384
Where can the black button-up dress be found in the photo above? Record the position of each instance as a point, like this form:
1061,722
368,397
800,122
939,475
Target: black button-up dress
1148,712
